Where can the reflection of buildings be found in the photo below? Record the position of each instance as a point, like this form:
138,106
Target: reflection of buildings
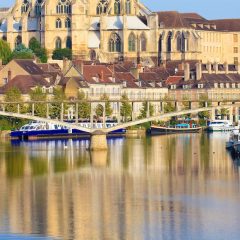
149,187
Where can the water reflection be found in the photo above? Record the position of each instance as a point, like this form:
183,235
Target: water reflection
167,187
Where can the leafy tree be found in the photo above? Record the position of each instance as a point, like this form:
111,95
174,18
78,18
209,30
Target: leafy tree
143,111
40,52
61,53
108,109
37,94
84,108
203,100
21,52
126,108
58,98
5,52
169,107
13,95
224,112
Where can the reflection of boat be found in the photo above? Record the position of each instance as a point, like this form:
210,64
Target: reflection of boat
178,128
35,130
221,125
234,137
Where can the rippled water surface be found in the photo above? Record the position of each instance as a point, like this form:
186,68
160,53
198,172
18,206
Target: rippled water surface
159,188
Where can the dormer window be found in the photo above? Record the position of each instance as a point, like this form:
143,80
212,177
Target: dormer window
215,85
221,85
200,85
233,85
173,86
227,85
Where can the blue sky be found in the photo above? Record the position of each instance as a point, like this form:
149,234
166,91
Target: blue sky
211,9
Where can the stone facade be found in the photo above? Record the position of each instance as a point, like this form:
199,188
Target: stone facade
120,30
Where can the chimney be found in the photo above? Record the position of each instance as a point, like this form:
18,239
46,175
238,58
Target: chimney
186,71
135,72
102,75
209,67
65,65
216,67
199,71
9,75
81,67
124,84
226,67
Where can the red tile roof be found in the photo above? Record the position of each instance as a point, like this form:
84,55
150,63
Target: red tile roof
174,80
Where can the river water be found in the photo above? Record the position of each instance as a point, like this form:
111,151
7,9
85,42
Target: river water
157,188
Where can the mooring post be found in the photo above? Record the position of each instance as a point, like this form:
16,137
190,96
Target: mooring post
98,141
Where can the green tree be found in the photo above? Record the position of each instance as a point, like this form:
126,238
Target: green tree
58,98
108,109
169,107
40,52
21,52
38,95
61,53
126,108
224,112
84,108
143,111
202,103
13,95
5,52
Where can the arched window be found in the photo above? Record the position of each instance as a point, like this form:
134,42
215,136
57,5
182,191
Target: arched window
169,42
68,23
102,7
69,43
132,43
38,7
4,38
25,6
117,7
179,41
143,43
64,6
185,45
114,43
128,7
58,23
58,43
93,55
18,41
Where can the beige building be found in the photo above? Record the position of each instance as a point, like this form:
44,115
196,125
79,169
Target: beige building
120,30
